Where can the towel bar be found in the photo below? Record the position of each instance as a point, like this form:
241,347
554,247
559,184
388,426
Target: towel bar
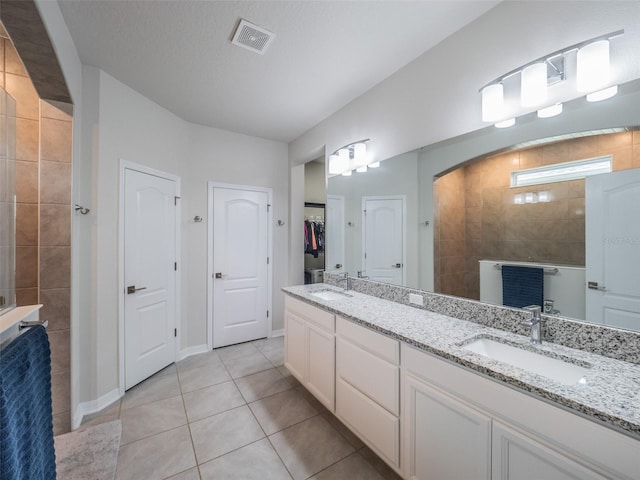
23,325
547,270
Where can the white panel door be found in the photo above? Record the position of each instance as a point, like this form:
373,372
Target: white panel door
334,226
149,274
613,248
383,239
240,256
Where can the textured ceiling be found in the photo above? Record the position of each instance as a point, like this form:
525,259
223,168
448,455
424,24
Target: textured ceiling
325,54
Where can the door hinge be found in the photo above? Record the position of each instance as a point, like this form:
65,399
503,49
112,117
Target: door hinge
268,206
267,313
267,260
175,332
175,266
365,254
175,200
365,212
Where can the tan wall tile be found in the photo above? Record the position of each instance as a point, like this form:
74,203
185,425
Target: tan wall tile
61,392
55,186
61,423
59,341
55,225
27,137
26,267
55,267
622,158
26,182
26,224
636,137
607,143
25,95
47,110
56,307
56,140
584,147
26,296
635,162
12,61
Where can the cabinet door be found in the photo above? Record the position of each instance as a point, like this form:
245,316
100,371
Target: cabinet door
321,365
445,439
518,457
295,346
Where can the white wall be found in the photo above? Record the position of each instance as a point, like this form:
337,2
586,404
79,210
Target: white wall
221,156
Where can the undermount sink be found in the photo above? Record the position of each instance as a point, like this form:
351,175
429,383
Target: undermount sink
330,295
550,367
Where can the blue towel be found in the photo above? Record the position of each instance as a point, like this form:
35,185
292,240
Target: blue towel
26,420
522,286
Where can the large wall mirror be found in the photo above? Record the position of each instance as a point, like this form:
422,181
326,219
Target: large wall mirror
452,231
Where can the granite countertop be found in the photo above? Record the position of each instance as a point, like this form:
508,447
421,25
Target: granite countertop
610,392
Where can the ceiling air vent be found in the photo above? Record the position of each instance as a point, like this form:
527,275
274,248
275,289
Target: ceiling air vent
252,37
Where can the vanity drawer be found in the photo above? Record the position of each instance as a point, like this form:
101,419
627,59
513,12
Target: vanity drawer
375,425
310,313
376,343
371,375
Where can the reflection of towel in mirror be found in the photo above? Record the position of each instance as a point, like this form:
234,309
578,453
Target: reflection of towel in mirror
522,286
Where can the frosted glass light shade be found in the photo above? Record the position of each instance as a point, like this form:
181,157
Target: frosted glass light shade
334,165
361,169
593,66
374,165
343,160
602,94
347,173
492,102
533,85
360,154
551,111
510,122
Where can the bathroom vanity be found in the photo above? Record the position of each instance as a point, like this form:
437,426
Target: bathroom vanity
428,394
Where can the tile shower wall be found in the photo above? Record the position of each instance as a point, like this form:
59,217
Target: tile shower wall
495,227
43,219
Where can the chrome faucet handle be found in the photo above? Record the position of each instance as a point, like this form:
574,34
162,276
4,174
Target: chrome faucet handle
536,317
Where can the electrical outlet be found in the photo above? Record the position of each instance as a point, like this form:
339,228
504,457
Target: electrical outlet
416,299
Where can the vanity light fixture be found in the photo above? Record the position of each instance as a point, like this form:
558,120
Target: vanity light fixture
348,158
592,76
374,165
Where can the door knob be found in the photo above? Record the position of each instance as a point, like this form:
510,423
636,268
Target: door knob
132,289
219,275
338,266
595,286
397,265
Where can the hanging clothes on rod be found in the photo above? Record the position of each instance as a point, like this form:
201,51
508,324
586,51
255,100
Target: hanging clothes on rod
313,237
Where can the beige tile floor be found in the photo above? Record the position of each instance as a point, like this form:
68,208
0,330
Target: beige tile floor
234,413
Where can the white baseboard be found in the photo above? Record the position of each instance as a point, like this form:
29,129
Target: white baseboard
189,351
277,333
93,406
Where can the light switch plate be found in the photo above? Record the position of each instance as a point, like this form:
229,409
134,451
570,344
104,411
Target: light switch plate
416,299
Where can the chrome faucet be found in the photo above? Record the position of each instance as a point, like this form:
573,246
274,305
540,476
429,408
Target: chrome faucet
347,281
534,323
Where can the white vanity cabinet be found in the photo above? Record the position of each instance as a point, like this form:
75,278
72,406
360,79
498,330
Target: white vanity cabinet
462,425
368,387
310,348
444,438
518,457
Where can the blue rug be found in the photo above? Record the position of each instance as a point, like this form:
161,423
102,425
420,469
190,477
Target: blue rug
26,421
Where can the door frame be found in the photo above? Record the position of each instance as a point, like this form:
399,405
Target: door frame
403,198
341,240
124,166
269,191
